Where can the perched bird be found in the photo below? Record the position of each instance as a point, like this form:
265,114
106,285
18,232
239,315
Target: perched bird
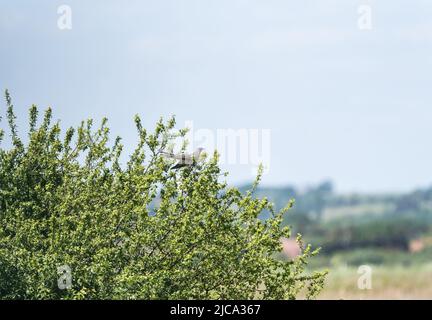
184,159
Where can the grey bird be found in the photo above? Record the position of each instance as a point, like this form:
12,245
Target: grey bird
184,159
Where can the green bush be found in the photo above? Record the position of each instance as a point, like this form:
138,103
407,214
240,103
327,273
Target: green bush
134,231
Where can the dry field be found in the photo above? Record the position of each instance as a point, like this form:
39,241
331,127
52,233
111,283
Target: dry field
388,282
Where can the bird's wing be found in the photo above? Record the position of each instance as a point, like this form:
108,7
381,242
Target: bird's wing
183,157
187,161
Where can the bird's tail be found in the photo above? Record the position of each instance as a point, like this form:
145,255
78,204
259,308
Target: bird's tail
167,154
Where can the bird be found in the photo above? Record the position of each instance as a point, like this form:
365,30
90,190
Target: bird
184,159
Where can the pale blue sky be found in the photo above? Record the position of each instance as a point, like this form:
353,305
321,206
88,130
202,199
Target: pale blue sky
353,106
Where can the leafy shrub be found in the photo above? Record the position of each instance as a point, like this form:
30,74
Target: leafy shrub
138,230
